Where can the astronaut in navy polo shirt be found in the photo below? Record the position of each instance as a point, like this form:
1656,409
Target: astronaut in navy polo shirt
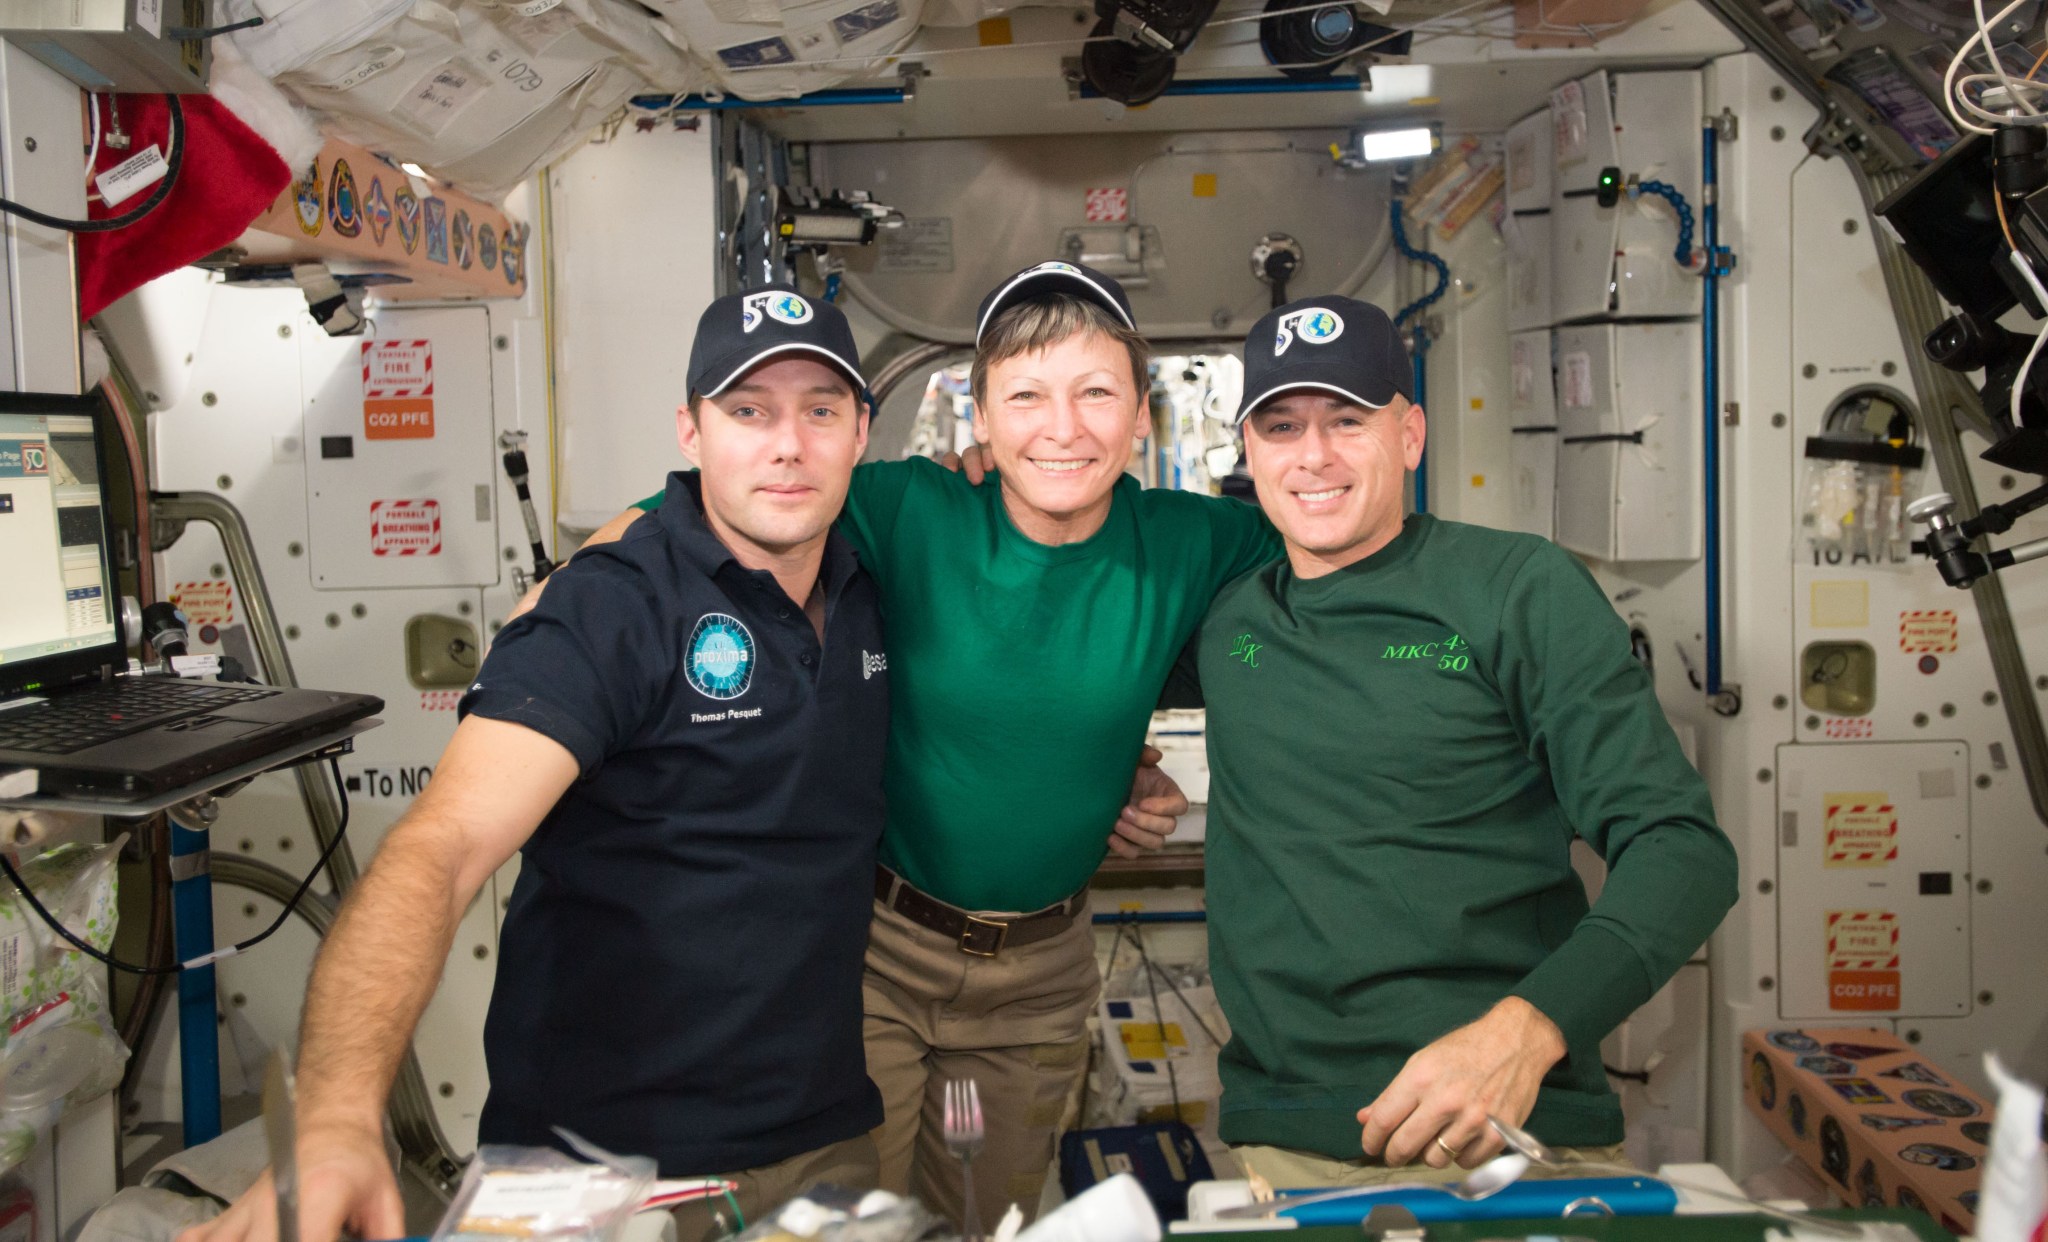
684,741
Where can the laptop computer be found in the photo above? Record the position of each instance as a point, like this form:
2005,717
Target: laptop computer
68,708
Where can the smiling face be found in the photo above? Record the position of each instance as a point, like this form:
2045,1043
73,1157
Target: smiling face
1329,474
777,449
1061,417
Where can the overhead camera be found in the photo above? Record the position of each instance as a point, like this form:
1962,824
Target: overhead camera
1948,217
1135,44
1311,43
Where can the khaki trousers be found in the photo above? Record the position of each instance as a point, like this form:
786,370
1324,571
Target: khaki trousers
1016,1023
1285,1168
850,1164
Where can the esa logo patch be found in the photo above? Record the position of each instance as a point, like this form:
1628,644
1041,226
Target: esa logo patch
1315,326
720,663
786,308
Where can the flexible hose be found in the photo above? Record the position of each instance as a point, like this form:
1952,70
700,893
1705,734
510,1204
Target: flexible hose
1670,194
1443,269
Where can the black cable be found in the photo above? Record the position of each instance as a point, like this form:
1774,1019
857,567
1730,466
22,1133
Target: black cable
173,163
341,831
182,33
1641,1076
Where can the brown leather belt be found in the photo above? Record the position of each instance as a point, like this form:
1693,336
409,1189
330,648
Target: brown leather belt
976,936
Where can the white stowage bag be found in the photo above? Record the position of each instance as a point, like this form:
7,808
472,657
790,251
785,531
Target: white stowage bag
480,92
779,49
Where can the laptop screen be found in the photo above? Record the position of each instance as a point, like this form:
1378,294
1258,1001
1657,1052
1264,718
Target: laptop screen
60,594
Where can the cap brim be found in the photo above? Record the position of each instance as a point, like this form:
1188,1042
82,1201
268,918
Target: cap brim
1338,381
744,363
1033,283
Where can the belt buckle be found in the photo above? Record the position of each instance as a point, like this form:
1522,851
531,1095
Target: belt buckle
979,929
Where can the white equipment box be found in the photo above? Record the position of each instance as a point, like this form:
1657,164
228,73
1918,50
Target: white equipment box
400,476
1874,880
1526,227
1532,410
1618,261
1628,473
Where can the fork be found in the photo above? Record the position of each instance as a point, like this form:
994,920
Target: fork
964,1132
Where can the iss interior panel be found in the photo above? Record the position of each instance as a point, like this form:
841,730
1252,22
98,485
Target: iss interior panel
1618,261
1873,880
1530,155
1531,253
1657,137
400,454
1532,448
1628,485
1582,231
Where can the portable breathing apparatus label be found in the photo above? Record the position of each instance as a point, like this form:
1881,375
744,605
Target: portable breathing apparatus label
1932,630
405,528
1863,960
398,390
1862,830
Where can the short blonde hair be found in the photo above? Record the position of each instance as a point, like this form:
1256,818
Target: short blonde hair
1045,321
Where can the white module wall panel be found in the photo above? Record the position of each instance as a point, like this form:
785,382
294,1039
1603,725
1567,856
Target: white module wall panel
1531,257
1628,485
1532,414
1873,881
1530,157
400,480
1618,261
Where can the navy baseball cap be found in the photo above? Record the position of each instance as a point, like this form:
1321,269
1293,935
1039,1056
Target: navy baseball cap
1336,345
740,331
1055,277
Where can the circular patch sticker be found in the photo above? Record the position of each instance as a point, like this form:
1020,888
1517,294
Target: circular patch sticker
1868,1186
1834,1151
1937,1156
306,200
1765,1082
1907,1199
486,246
1793,1041
1795,1113
1825,1066
1978,1132
721,657
1968,1199
1941,1103
790,309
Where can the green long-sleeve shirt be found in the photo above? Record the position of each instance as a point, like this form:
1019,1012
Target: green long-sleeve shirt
1400,754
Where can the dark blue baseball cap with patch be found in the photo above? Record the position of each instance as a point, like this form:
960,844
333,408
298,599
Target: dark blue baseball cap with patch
740,331
1057,276
1341,346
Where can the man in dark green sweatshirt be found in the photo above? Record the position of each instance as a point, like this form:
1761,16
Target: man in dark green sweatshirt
1409,721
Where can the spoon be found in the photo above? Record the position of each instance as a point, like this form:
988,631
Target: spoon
1522,1143
1487,1180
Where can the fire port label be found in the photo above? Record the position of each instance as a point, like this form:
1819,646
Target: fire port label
1863,960
1927,630
405,528
1861,830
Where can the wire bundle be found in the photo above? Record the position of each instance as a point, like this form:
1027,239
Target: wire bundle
2022,93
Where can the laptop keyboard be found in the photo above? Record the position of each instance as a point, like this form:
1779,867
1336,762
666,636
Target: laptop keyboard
85,718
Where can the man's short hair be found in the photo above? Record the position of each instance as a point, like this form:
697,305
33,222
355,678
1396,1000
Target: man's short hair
1043,322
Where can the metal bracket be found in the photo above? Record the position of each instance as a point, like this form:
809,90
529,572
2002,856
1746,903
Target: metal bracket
1725,125
1390,1222
1070,73
908,75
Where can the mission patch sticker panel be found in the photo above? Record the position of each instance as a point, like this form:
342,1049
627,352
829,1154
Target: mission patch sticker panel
1867,1113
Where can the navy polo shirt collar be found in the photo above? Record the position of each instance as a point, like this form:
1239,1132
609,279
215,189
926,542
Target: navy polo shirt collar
702,547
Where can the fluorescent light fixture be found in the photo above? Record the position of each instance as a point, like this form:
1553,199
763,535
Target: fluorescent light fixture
414,169
1398,84
1397,144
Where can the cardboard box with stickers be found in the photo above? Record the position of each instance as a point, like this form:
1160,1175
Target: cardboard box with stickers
1864,1111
